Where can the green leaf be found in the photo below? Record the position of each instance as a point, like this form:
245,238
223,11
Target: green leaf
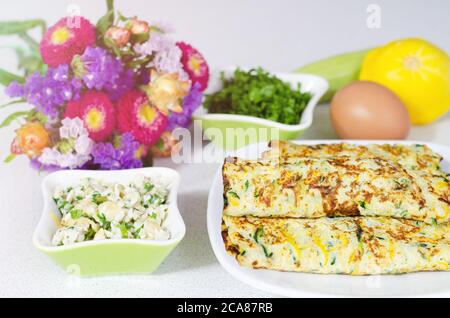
10,158
32,43
40,117
160,144
19,101
104,23
110,44
30,61
140,38
6,78
13,117
121,17
110,5
15,27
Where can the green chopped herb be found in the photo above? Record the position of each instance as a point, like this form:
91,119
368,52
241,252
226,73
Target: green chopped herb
258,233
98,199
359,232
136,233
267,253
247,184
257,236
434,221
124,227
149,187
362,204
154,199
76,214
153,215
89,234
260,94
233,194
333,260
104,223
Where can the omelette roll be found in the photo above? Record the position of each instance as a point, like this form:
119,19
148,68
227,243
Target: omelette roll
347,245
328,187
416,157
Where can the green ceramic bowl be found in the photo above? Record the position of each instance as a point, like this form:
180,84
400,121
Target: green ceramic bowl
113,256
231,132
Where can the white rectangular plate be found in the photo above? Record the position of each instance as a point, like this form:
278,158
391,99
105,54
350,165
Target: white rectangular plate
290,284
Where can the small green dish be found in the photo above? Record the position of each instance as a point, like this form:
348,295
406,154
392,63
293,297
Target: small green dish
110,256
231,132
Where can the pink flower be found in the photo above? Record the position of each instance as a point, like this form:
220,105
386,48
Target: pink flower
67,38
97,113
136,115
138,26
195,65
119,36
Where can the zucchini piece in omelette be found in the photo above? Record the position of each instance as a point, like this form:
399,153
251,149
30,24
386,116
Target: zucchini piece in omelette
310,187
347,245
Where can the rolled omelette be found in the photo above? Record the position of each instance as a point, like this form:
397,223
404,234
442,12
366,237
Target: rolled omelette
415,157
307,187
347,245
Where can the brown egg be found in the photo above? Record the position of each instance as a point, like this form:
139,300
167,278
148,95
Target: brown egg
367,110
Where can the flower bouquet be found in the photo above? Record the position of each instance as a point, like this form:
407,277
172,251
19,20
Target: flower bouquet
104,96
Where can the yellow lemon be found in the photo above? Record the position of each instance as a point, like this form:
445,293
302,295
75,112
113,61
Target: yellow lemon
417,71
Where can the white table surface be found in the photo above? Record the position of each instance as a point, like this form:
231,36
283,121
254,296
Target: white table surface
278,35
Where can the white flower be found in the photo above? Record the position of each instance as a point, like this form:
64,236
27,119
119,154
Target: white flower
83,145
164,26
167,55
76,144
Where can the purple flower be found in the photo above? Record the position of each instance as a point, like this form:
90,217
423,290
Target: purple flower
35,164
190,103
121,85
109,157
48,92
102,71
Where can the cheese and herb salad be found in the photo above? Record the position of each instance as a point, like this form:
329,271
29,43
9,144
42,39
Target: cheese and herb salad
97,210
338,208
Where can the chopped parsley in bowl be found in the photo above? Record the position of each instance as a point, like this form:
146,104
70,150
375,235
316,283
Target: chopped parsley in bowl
260,94
96,210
